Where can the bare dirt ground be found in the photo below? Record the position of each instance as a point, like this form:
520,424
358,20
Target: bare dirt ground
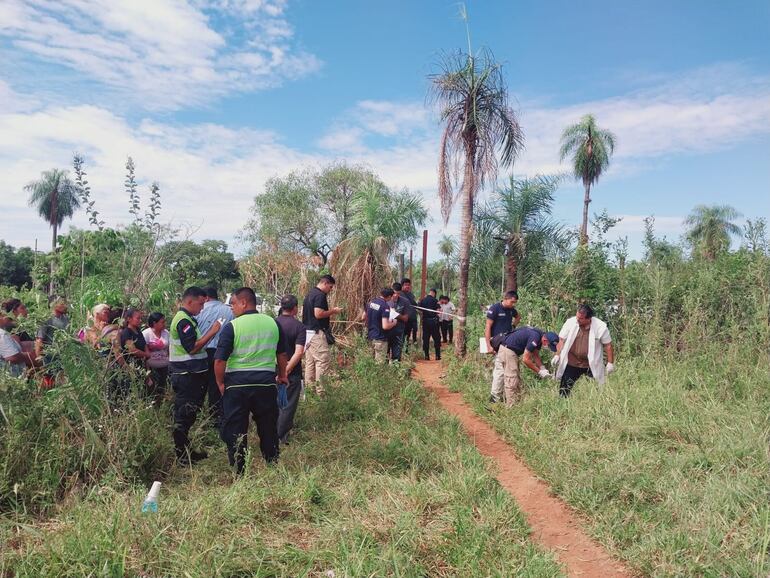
554,524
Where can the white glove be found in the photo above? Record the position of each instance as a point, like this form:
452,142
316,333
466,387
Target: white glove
610,368
555,361
543,373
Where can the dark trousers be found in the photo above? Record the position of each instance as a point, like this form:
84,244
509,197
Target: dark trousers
430,329
447,331
189,393
395,343
261,404
158,384
286,414
215,398
570,376
411,332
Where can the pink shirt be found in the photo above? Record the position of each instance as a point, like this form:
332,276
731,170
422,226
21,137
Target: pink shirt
158,347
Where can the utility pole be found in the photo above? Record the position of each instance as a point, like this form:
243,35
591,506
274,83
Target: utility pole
400,267
424,280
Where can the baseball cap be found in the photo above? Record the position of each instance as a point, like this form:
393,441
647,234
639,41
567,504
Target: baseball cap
553,339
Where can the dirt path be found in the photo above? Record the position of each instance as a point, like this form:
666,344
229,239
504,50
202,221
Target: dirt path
553,523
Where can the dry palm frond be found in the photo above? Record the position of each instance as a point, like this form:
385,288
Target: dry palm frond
360,274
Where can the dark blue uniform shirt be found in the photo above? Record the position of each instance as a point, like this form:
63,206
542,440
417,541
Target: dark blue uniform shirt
524,338
502,318
377,310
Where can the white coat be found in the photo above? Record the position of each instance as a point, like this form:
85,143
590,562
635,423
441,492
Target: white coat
598,336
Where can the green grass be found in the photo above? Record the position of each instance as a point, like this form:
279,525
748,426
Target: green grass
377,482
668,462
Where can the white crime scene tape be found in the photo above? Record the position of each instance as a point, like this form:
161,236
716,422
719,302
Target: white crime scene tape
437,312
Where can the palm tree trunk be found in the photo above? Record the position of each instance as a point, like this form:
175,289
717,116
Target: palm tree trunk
466,236
511,271
53,258
584,226
54,223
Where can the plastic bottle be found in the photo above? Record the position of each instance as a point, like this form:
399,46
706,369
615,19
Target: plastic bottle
150,503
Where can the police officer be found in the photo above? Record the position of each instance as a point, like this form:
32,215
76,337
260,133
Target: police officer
396,335
379,324
502,317
410,330
249,363
430,326
523,343
187,370
316,316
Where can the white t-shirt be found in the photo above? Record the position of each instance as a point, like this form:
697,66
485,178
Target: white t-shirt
158,347
446,308
8,348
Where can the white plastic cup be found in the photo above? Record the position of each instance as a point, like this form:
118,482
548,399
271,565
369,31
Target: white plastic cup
154,491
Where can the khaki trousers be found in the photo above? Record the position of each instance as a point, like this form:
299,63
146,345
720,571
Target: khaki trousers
497,378
511,377
317,360
380,350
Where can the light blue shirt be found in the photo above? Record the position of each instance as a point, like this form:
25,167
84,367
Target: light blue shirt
213,310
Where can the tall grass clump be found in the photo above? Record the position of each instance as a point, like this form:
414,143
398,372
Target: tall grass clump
669,460
57,442
375,482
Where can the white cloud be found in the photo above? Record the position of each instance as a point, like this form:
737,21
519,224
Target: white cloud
343,139
398,121
164,54
635,224
210,173
705,110
391,118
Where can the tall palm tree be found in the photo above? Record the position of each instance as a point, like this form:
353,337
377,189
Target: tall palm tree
381,220
446,246
520,217
479,123
710,229
590,148
55,197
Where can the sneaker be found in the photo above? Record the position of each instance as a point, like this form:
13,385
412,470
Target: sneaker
492,399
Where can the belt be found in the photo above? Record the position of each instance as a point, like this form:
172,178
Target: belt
249,385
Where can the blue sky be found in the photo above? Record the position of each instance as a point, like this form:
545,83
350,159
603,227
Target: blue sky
212,97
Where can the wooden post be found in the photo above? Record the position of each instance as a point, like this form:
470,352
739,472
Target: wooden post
424,279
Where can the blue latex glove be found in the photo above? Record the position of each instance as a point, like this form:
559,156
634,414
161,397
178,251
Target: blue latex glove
283,396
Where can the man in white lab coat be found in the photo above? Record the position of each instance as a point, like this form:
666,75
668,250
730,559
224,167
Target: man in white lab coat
583,341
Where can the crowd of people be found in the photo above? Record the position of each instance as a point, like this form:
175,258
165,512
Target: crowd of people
391,321
577,350
246,365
